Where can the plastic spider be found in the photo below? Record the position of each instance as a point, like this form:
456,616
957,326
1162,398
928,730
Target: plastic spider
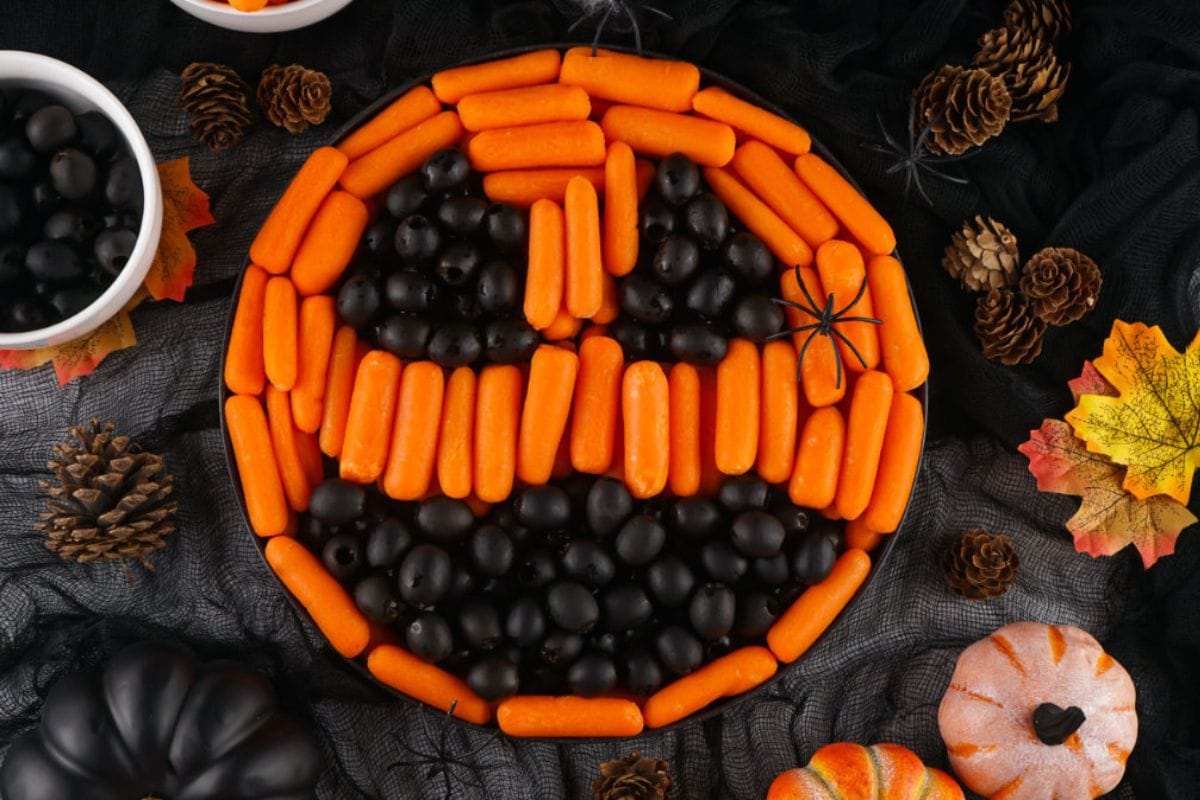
826,320
605,10
912,156
453,769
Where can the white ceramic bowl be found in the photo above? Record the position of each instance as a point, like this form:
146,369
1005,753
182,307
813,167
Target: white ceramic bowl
272,19
81,92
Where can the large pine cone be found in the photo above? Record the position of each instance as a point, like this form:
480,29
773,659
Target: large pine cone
963,108
1008,330
979,565
632,778
109,501
219,102
1029,68
1062,284
1048,19
294,97
983,255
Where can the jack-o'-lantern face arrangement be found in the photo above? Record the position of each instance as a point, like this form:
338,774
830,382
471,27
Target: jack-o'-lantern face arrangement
554,384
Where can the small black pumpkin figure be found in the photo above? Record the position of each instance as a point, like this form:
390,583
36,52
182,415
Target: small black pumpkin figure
155,723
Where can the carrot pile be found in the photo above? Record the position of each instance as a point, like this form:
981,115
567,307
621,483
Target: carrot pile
564,135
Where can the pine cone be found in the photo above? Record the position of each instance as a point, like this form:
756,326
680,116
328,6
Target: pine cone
294,97
1062,284
963,108
1008,330
979,565
632,778
1049,19
219,102
110,500
982,255
1029,68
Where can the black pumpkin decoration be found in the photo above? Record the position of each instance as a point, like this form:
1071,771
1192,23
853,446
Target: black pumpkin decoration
154,722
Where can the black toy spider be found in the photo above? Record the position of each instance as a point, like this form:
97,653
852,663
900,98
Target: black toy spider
453,769
605,10
826,318
912,155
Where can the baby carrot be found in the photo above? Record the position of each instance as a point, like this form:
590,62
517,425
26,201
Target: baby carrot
280,333
551,144
710,477
818,364
686,430
620,210
898,463
840,267
645,409
371,173
281,232
250,435
527,69
904,356
415,433
311,459
644,171
660,133
584,290
427,682
564,326
738,386
411,109
497,418
866,424
330,243
610,304
283,441
249,5
527,105
545,715
369,421
857,215
787,245
546,272
758,123
524,187
457,434
803,623
552,372
780,412
244,359
737,672
814,480
597,404
769,177
329,605
623,78
318,317
859,535
339,385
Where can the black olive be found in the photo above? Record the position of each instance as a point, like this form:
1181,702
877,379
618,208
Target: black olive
677,179
123,188
113,249
722,562
17,159
675,259
404,336
814,557
670,580
343,557
50,127
640,540
379,240
711,611
509,341
536,569
73,224
54,262
71,300
639,342
710,294
445,170
609,504
28,315
494,678
455,344
560,648
588,561
748,258
756,613
457,264
743,493
506,226
424,575
491,550
694,517
707,219
678,650
773,571
697,343
97,134
429,638
525,624
411,291
461,216
358,301
572,606
12,211
626,606
12,262
479,622
643,675
375,596
417,239
756,317
444,518
498,288
592,674
337,502
657,219
406,196
543,508
73,173
387,543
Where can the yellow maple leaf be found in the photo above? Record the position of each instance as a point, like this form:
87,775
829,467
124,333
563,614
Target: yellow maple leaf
1152,426
185,208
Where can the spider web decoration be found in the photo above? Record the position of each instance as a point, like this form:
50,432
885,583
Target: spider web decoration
826,321
909,156
444,759
606,11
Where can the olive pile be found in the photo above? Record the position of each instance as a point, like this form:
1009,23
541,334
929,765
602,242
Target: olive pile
440,275
573,587
70,209
698,281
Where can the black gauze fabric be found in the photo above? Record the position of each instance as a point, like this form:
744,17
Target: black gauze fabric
1118,177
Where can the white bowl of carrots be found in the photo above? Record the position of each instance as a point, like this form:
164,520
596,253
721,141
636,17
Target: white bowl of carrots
262,16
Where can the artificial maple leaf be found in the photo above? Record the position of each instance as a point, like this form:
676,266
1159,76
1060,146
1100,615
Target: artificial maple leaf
1109,518
1090,381
80,356
185,208
1152,425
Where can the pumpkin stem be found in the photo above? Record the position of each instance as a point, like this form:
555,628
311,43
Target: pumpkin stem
1054,725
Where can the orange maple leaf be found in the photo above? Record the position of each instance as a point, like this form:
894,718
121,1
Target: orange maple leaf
185,208
79,357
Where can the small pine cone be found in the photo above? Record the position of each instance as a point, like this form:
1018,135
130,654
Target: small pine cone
979,565
1029,68
632,778
294,97
983,255
219,102
1062,284
963,108
1049,19
1008,330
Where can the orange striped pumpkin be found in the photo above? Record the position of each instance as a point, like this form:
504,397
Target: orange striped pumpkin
848,771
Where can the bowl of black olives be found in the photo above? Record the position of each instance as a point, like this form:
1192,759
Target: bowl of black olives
80,203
